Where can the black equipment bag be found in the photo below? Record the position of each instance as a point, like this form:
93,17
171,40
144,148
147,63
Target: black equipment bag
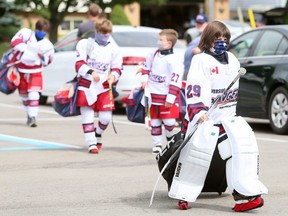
216,177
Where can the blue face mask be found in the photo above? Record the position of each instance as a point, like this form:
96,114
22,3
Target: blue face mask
220,46
40,34
101,39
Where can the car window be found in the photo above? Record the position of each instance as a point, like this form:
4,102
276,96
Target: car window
67,44
139,39
269,44
240,46
136,39
283,46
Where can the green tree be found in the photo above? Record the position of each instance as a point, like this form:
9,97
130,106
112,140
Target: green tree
9,23
286,14
56,10
118,16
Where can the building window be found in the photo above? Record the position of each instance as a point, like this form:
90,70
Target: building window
65,25
77,23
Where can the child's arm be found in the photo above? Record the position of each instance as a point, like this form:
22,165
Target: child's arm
18,42
116,64
47,55
176,69
81,66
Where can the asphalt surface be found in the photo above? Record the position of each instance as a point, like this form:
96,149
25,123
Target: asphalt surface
47,171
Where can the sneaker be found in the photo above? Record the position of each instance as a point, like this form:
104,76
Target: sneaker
182,205
246,205
31,121
99,145
93,149
99,138
156,150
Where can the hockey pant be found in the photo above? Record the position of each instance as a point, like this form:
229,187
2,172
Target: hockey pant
87,115
242,155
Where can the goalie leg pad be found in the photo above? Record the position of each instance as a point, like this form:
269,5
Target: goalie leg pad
225,149
242,169
194,162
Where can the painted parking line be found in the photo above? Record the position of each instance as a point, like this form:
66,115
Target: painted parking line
34,144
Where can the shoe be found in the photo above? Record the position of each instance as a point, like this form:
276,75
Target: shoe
246,205
156,150
31,121
93,149
99,145
99,138
182,205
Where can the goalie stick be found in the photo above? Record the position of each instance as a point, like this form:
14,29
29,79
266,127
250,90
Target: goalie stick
241,72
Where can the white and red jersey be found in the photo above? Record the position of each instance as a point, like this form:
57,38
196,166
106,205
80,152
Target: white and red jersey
102,59
207,79
163,74
28,48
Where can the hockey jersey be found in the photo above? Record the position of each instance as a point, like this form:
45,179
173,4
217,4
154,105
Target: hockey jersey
102,59
163,74
207,79
25,44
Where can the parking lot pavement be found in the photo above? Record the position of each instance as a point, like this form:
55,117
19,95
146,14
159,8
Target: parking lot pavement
47,170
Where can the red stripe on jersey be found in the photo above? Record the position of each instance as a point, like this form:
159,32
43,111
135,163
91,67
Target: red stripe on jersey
158,98
84,82
24,66
193,109
185,126
78,64
145,72
174,90
117,70
105,85
16,42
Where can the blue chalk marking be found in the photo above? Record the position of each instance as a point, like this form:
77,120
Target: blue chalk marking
36,144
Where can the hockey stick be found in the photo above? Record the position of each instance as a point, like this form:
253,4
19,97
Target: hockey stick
241,72
73,40
147,109
12,64
111,106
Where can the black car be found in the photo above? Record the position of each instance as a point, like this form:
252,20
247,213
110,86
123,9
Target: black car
264,88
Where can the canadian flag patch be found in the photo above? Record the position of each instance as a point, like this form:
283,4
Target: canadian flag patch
214,70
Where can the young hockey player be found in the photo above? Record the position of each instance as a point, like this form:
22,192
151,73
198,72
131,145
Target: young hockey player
162,76
210,74
33,51
98,64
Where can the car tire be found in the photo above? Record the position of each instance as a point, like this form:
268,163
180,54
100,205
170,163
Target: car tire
278,110
43,99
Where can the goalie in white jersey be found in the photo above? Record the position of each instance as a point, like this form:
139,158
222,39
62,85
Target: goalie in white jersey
162,77
32,50
210,73
98,64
